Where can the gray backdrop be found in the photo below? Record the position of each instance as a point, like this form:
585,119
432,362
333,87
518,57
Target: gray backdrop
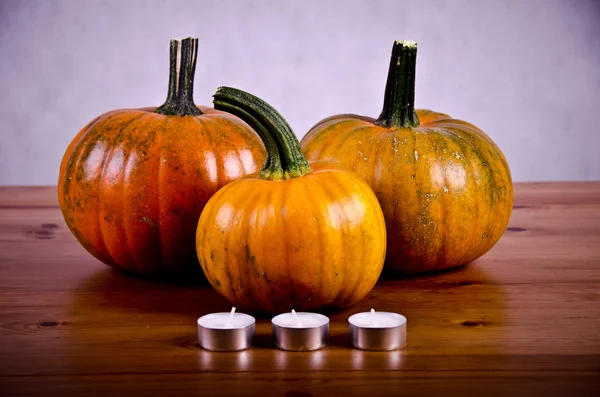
526,72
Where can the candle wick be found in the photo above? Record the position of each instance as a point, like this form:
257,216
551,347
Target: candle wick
373,318
298,322
230,318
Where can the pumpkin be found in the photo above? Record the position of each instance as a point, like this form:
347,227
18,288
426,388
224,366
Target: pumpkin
295,236
133,182
444,186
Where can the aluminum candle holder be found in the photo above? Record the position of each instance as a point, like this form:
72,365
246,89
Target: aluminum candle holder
377,330
226,331
300,331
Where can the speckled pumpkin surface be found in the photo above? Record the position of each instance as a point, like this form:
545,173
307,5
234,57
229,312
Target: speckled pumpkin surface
295,236
444,186
133,182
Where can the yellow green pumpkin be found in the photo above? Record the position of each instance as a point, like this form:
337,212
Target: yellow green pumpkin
444,186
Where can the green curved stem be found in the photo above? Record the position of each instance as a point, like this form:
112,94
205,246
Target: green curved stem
182,67
284,155
399,101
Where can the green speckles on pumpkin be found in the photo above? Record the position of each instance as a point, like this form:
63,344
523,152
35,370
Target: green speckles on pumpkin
155,225
251,258
266,278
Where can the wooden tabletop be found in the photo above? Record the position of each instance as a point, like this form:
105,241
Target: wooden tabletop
523,320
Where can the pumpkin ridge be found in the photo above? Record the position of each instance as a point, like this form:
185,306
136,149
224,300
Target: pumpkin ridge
99,195
236,281
463,143
246,263
124,179
100,203
364,239
205,124
268,198
374,155
282,203
354,278
108,156
159,136
209,211
327,243
329,192
443,199
316,190
419,239
160,177
124,207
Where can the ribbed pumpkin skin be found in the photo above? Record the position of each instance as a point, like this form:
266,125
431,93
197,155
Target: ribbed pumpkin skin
312,242
133,183
445,188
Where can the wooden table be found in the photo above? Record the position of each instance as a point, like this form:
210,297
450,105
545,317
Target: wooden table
523,320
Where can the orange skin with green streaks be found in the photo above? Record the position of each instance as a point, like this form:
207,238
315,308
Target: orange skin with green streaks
311,242
133,183
445,187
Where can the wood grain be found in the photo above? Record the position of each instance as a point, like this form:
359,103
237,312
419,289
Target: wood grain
522,320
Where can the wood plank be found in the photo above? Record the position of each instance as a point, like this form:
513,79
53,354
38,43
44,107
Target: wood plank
524,319
301,384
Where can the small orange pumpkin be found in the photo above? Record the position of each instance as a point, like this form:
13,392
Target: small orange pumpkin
297,235
444,186
133,182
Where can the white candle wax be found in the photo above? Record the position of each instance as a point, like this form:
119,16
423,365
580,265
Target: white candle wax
375,319
300,320
231,320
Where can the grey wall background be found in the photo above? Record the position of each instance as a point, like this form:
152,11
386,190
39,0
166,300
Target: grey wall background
526,72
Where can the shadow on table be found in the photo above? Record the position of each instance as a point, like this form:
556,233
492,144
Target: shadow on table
113,290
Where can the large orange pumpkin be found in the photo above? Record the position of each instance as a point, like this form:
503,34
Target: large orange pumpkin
296,236
133,182
444,186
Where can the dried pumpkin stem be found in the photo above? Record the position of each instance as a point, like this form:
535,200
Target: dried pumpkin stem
284,155
399,102
182,67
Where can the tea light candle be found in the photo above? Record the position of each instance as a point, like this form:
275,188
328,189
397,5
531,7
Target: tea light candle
226,331
377,330
300,331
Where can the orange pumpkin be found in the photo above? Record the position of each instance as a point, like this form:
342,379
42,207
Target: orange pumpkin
296,235
133,182
444,186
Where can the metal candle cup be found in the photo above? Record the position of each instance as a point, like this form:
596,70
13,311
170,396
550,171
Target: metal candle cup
226,331
377,330
300,331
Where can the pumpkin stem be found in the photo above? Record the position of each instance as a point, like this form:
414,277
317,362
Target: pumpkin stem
180,98
399,102
284,155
